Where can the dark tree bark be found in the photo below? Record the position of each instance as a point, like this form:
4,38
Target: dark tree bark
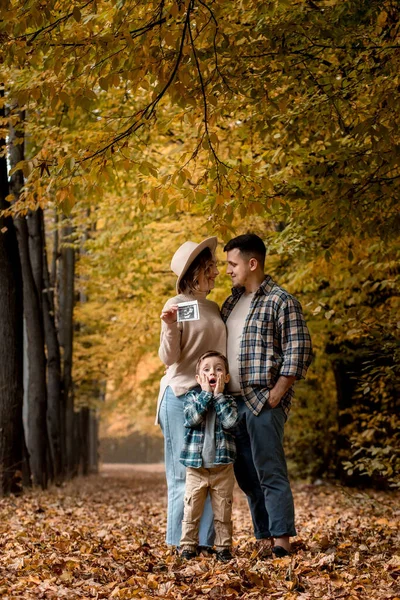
26,468
88,446
88,442
66,307
55,254
94,443
37,433
36,244
11,346
54,390
84,419
55,297
347,362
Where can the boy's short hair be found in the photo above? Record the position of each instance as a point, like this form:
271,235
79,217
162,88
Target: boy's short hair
209,354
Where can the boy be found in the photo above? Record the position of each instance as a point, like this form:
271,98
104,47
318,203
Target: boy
208,454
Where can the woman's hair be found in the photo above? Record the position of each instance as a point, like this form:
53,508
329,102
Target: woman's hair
189,282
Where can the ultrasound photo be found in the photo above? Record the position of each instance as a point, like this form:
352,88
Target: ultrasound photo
188,311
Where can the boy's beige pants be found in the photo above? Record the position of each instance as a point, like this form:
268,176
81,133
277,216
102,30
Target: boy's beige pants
219,481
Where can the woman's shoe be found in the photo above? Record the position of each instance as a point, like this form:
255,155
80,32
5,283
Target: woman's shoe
224,555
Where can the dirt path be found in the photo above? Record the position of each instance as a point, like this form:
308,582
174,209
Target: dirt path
103,537
127,470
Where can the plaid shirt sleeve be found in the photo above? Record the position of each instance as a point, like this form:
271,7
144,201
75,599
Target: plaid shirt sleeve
295,339
226,409
195,407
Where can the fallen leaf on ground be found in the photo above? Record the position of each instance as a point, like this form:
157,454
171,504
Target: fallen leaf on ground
103,537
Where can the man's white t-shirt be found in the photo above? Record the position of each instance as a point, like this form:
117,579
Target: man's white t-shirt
234,328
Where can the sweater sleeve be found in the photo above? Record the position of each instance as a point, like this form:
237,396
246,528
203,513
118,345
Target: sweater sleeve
170,344
170,340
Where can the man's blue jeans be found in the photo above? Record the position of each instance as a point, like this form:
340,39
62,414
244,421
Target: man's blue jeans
171,421
261,471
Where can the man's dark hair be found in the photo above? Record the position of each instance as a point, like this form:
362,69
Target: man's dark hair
208,355
249,244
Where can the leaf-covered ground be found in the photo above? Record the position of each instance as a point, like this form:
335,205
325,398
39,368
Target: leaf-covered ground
103,537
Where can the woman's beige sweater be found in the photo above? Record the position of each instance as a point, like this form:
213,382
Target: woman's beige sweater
181,344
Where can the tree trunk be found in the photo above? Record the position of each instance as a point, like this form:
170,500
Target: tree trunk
88,420
94,443
55,254
66,307
11,346
36,243
84,418
347,363
26,469
37,434
54,391
89,441
56,300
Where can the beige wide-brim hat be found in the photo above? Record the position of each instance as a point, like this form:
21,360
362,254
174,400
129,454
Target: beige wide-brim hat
186,254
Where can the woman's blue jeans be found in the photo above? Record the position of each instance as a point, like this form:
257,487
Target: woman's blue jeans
171,421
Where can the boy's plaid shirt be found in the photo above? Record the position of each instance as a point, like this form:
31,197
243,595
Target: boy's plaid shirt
196,404
275,341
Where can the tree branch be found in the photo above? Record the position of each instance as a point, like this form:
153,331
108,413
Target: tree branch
52,26
148,111
205,105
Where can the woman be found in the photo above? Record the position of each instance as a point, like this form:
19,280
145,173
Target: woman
181,345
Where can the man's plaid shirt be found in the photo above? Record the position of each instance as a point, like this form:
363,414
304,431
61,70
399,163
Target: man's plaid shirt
275,341
196,404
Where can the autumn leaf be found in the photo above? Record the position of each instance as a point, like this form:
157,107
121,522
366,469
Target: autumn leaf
41,557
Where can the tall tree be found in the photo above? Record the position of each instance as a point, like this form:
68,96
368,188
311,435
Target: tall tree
37,433
66,287
54,383
11,384
250,113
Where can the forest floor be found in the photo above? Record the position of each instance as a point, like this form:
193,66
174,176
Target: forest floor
103,537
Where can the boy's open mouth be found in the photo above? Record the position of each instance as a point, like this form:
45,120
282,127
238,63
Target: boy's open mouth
212,381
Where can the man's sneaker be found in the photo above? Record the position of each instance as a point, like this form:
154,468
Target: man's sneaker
224,555
280,551
188,554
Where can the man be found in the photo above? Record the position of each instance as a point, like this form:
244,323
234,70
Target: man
269,347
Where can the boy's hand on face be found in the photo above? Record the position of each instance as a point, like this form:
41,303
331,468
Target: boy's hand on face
220,385
205,384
